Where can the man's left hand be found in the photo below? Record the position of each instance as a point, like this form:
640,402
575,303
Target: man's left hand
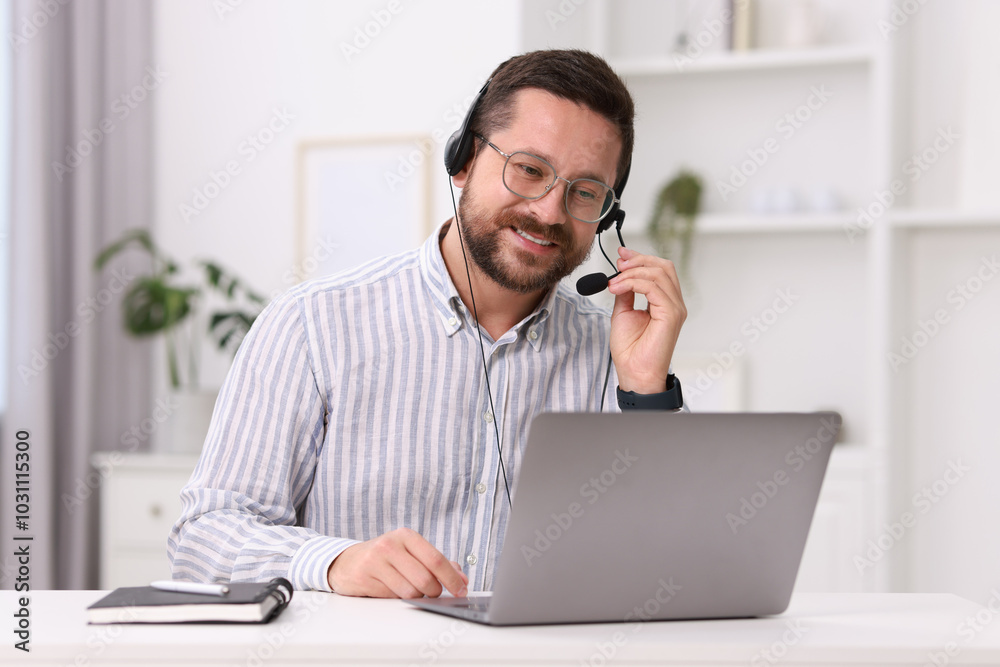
642,341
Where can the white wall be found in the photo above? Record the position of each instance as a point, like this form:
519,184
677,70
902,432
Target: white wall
952,386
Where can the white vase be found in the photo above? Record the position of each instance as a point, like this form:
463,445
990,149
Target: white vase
188,426
802,24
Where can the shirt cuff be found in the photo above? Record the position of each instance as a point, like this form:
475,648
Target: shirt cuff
311,562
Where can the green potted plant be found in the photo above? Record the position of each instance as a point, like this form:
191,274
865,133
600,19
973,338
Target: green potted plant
157,303
671,226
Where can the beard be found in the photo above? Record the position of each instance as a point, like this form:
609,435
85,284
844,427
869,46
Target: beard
515,269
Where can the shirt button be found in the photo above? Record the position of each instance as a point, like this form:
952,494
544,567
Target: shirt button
480,488
533,335
453,321
488,417
471,559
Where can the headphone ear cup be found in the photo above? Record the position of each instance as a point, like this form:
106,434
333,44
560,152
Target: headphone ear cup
459,146
605,224
611,219
616,215
456,151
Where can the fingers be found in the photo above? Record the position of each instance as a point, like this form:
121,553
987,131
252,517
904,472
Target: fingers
458,568
624,300
629,258
650,283
430,568
400,563
653,277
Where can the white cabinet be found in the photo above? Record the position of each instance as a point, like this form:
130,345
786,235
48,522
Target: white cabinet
843,524
140,501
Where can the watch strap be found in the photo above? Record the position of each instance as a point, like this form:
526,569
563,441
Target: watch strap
671,399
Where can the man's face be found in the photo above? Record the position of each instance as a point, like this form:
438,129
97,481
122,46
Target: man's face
529,245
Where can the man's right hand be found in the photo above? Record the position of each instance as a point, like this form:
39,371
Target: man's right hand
399,564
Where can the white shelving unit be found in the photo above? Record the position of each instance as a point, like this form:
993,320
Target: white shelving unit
854,283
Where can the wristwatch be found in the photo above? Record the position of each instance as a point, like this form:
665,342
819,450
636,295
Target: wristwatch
671,399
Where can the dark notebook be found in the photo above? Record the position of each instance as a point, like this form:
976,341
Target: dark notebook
245,603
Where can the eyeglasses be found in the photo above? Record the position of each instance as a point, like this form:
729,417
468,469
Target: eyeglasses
531,177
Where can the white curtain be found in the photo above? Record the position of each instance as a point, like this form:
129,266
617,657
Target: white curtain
81,175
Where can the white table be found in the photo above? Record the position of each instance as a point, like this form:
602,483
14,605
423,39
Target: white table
321,628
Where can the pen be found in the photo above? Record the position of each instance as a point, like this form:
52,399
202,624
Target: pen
190,587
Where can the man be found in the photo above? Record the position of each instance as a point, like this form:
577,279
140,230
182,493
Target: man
364,438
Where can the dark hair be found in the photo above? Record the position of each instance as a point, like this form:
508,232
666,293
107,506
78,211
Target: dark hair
575,75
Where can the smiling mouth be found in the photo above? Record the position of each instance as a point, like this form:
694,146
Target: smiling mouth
533,239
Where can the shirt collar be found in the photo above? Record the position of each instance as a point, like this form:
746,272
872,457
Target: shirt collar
444,296
448,304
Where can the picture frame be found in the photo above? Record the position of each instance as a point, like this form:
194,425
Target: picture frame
360,198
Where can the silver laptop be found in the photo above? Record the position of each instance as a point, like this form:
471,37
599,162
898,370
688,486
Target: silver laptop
651,516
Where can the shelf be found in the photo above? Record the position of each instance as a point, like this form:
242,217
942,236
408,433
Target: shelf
943,218
806,222
785,222
763,60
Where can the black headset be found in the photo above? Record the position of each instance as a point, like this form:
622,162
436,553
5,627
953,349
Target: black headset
457,151
459,148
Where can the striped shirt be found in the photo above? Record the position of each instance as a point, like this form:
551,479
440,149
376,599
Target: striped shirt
357,404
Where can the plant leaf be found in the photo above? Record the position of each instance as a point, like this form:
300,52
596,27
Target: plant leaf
152,307
139,236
